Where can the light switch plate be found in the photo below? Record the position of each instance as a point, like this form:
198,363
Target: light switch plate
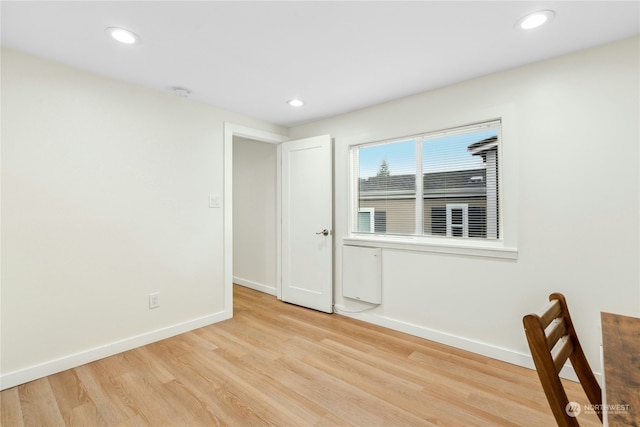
154,300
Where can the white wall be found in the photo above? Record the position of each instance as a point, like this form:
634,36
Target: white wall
104,199
254,214
571,171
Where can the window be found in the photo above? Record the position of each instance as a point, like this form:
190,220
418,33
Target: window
457,220
441,184
366,217
372,221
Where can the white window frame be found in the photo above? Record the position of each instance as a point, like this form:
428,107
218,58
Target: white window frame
505,247
372,222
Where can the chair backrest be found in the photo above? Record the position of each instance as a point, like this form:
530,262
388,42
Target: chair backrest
552,340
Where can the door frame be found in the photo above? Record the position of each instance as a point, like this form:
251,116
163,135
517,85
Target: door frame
231,130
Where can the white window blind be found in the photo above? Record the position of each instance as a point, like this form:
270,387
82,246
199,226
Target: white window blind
387,184
442,183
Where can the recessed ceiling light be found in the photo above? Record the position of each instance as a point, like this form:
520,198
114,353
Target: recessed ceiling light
122,35
295,102
181,92
535,19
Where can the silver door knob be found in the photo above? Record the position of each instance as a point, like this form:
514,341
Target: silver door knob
324,232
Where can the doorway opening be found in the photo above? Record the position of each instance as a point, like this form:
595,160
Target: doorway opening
250,136
255,219
302,211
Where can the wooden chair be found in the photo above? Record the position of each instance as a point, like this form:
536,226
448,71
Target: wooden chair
552,340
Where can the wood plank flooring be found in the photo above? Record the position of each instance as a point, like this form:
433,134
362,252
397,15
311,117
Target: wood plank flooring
276,364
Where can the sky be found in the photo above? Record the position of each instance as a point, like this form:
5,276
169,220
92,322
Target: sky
438,154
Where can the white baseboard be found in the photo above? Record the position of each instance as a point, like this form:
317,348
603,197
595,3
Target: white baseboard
11,379
477,347
271,290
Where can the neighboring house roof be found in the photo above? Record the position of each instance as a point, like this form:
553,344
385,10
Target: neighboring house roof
466,183
457,183
388,187
388,183
483,146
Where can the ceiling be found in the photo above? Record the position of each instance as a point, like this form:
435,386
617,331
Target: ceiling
252,57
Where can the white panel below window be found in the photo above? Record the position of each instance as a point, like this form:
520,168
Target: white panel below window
362,274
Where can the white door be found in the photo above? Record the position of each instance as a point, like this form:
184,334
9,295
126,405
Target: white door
307,209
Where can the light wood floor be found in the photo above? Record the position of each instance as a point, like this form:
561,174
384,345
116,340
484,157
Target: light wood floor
282,365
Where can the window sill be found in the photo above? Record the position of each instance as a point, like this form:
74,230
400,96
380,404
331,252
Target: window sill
474,248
